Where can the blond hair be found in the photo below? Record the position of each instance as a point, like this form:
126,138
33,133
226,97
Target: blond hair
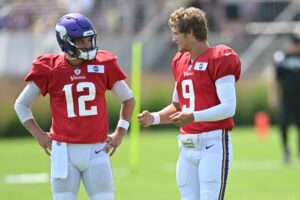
189,19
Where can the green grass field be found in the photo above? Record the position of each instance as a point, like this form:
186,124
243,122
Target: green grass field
257,170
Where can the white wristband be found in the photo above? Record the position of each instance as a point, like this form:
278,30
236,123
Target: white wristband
123,124
156,118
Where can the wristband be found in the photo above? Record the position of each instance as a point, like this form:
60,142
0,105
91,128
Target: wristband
156,118
123,124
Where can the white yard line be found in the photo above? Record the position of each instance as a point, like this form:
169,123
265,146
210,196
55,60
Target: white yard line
122,172
26,178
35,178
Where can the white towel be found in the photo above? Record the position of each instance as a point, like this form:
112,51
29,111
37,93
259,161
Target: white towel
59,160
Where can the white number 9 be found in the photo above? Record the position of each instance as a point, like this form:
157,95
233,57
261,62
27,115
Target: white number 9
188,93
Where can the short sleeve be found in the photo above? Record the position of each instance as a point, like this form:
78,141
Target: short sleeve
175,60
114,72
39,74
228,64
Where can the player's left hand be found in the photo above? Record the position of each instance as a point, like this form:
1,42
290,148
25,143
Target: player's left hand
114,140
182,118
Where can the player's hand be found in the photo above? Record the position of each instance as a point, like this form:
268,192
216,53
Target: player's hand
114,140
182,118
145,118
45,141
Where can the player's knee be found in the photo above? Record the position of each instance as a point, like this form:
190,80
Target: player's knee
62,185
64,196
211,191
208,195
98,180
103,196
100,175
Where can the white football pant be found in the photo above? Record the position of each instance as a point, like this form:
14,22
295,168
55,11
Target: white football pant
202,171
90,163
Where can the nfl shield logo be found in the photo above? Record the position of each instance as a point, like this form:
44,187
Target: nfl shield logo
96,69
201,66
77,71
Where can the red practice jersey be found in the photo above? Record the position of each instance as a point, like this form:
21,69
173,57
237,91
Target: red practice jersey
77,95
196,83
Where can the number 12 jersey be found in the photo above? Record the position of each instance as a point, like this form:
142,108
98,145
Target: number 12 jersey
77,95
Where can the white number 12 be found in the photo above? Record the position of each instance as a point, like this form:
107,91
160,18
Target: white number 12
81,100
188,93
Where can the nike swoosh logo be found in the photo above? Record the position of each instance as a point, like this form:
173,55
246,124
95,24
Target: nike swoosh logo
96,152
207,147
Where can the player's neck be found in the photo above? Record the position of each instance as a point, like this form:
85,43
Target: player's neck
75,62
198,49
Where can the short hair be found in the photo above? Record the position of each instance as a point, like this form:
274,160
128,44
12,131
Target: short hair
189,19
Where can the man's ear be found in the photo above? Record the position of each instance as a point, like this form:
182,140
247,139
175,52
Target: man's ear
190,33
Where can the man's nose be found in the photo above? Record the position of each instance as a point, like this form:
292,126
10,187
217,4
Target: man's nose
87,44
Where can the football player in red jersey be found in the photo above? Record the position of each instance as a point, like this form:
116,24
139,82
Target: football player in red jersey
76,82
203,106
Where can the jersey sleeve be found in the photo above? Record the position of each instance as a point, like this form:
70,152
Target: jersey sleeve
39,74
115,73
228,63
175,61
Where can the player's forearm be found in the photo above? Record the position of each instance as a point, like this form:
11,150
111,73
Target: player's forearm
127,108
33,128
126,112
165,113
219,112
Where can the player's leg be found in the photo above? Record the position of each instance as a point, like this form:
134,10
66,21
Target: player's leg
284,118
214,167
65,177
187,178
98,178
66,189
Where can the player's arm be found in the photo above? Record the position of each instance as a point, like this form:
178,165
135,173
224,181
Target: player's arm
22,107
161,117
226,93
274,81
124,94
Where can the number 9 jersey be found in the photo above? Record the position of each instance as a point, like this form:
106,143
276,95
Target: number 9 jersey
77,95
195,83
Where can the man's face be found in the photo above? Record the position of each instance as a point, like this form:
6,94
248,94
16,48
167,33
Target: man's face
180,39
84,43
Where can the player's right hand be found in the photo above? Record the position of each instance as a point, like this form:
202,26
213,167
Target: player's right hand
45,142
145,118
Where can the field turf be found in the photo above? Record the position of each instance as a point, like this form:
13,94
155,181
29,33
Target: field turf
257,170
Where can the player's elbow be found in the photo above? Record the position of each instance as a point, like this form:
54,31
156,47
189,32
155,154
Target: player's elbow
15,106
130,102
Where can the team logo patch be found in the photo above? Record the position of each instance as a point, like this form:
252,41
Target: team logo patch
77,71
201,66
96,69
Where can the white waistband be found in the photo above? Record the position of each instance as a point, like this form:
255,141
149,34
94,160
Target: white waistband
209,135
99,144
